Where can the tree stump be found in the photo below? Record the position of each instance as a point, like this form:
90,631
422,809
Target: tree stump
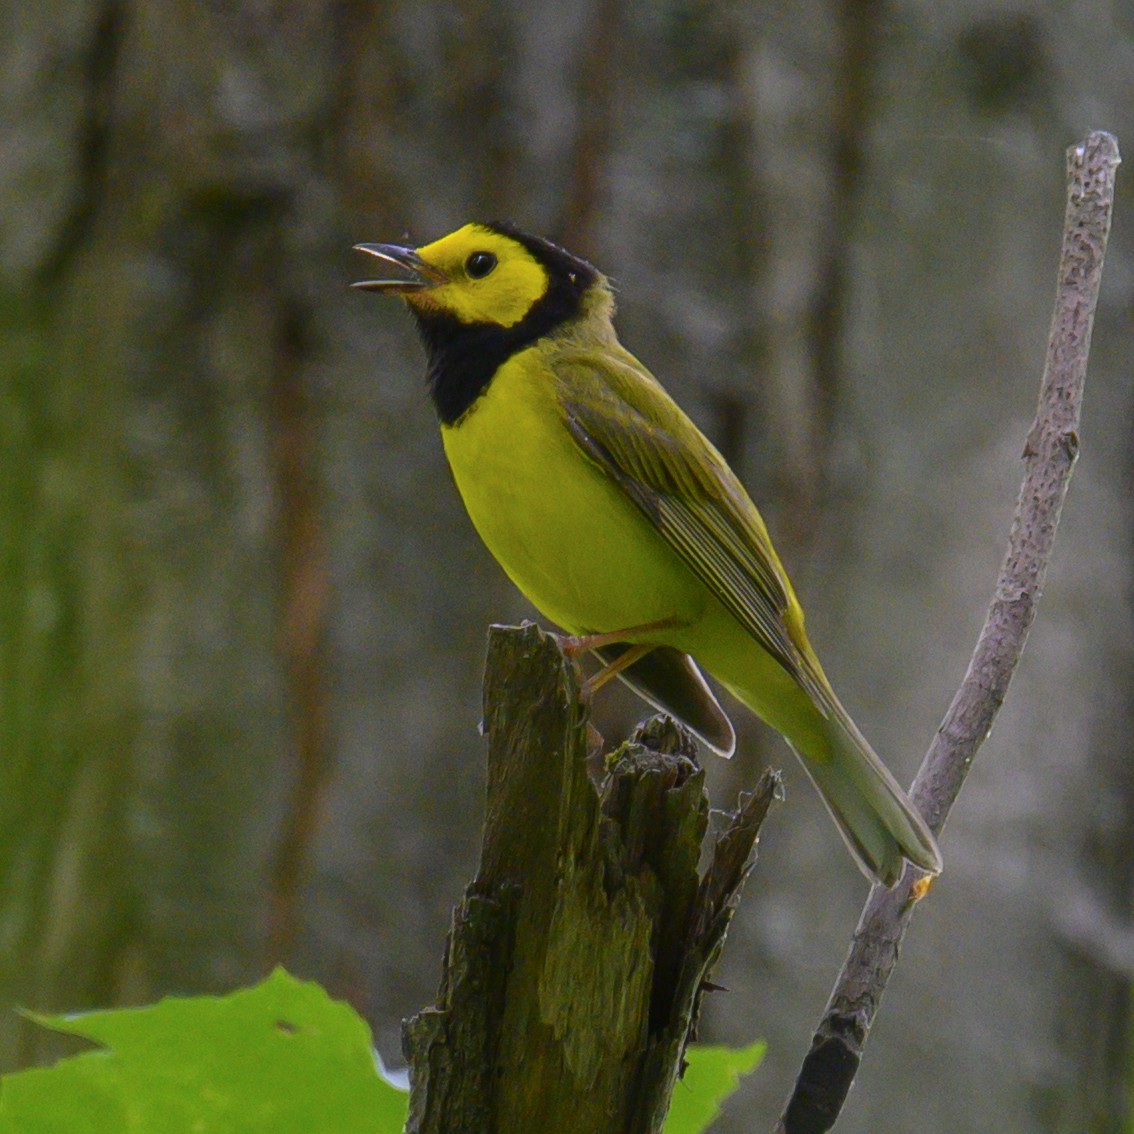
575,964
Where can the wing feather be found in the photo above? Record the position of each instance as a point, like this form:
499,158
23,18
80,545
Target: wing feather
624,421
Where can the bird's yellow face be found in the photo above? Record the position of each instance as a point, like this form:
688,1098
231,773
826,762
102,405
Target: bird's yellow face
474,275
488,278
481,295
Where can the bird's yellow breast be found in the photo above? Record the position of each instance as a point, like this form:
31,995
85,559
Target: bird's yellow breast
562,530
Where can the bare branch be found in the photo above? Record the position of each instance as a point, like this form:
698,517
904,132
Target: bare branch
1049,457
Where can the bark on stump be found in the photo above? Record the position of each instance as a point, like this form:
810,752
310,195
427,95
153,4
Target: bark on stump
576,962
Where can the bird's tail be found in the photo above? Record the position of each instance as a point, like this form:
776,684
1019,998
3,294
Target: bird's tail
879,823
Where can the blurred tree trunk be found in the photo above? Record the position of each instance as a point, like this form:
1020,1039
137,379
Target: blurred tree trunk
68,702
143,700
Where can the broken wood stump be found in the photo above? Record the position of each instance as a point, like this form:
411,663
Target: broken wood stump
575,964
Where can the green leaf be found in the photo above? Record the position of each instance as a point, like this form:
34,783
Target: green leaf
281,1056
712,1074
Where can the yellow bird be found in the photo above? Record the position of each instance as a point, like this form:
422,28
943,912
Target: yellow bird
619,521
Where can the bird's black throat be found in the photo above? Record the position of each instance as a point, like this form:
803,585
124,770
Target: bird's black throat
463,357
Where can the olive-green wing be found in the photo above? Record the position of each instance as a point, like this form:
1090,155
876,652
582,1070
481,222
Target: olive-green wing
623,420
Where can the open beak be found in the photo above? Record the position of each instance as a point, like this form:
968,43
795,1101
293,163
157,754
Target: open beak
421,275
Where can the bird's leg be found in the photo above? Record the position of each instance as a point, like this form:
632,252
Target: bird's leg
612,669
577,644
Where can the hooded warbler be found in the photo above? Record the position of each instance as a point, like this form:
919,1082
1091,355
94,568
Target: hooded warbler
619,521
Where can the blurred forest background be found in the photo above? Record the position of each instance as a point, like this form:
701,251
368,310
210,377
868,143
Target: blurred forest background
242,613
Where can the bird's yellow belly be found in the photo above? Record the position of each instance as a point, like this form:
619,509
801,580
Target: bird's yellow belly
562,530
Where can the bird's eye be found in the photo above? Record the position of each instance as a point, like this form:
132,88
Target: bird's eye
479,264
